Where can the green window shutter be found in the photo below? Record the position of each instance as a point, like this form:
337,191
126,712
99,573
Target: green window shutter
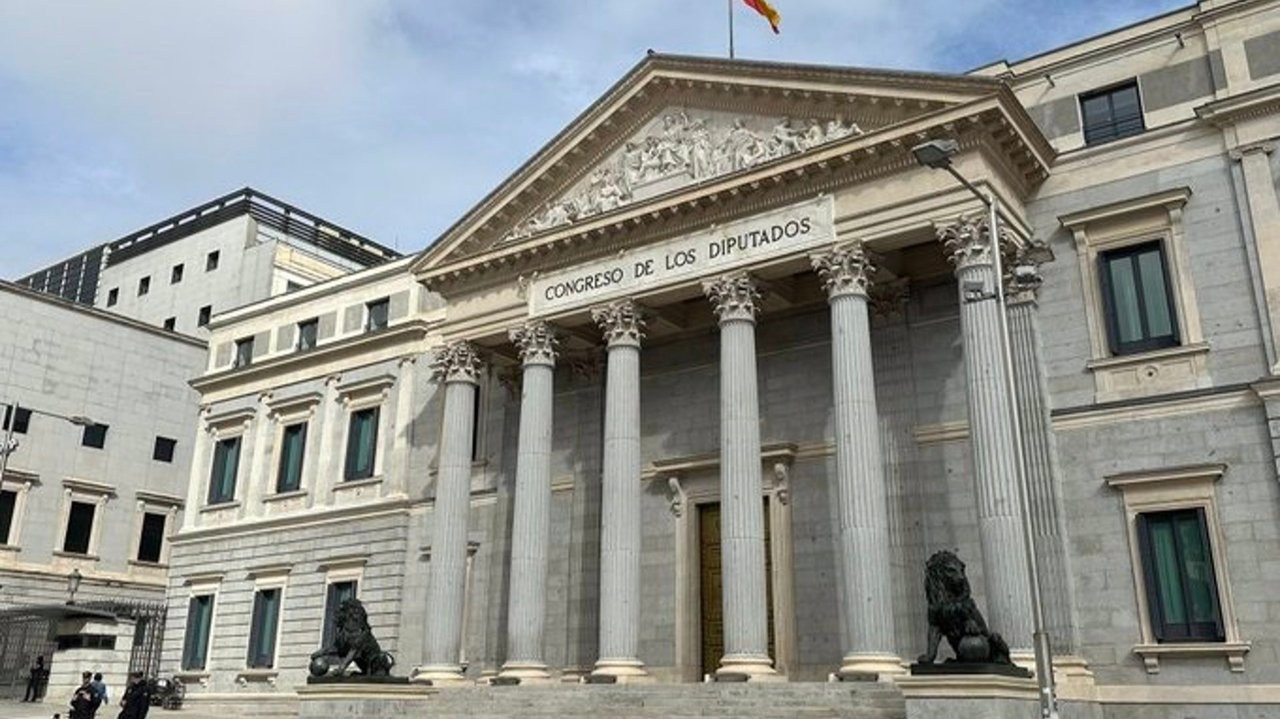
293,447
362,442
195,645
262,629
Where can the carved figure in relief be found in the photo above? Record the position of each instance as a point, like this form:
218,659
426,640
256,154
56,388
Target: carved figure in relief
786,139
813,135
700,150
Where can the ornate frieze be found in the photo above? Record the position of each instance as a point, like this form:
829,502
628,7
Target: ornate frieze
679,149
537,342
733,296
621,322
845,269
966,241
456,362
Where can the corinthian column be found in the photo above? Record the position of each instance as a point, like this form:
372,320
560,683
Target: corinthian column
991,436
746,619
458,368
620,495
861,498
531,526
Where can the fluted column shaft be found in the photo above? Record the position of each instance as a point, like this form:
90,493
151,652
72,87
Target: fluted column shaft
531,525
457,367
744,589
991,436
620,496
861,500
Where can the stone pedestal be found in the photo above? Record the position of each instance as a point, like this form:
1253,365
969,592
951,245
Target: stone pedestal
342,700
977,696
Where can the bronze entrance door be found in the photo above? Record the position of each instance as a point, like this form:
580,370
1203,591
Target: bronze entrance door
710,586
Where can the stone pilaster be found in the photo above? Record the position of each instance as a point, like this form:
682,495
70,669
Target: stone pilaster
201,467
991,435
531,525
458,368
1039,449
620,498
397,482
325,473
862,533
735,300
259,472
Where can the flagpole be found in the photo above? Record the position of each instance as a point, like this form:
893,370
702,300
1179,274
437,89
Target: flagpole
729,6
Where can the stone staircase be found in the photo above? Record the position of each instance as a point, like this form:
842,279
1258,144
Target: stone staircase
850,700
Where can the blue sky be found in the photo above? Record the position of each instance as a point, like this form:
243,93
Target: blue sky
388,117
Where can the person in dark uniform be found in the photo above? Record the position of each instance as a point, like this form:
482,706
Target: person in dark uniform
84,703
136,701
36,681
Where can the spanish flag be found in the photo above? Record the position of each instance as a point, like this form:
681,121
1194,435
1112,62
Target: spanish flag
765,9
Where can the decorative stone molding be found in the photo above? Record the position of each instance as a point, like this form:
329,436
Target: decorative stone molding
966,241
537,342
733,297
1240,152
586,365
456,362
1023,279
678,499
782,482
621,322
888,300
845,269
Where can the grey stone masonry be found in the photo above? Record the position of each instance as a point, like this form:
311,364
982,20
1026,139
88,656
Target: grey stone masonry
746,636
991,436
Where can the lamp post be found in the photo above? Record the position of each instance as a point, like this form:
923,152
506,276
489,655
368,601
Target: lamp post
73,585
936,155
10,445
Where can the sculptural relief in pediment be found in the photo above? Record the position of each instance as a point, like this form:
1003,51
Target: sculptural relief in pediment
677,148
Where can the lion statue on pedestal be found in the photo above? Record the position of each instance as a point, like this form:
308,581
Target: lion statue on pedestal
954,615
353,643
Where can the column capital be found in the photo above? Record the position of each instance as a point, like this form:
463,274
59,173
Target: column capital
733,297
621,323
1023,280
888,300
537,342
456,362
845,269
966,241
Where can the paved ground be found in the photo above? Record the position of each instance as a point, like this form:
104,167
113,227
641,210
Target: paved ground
19,710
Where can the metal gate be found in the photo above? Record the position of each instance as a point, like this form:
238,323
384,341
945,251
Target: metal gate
24,635
148,631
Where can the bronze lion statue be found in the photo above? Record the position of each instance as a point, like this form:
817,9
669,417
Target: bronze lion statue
353,643
954,615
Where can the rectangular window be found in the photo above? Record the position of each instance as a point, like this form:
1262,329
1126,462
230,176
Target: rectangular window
293,442
362,442
79,528
95,435
338,593
308,332
1182,592
195,646
113,296
1111,114
175,275
163,451
152,539
290,286
1139,305
170,323
8,505
211,261
144,285
205,313
222,480
262,629
244,352
377,312
21,419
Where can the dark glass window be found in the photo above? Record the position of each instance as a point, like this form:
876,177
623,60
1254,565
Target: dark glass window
95,435
293,442
476,429
163,451
1135,290
378,313
222,480
8,505
244,352
152,539
21,419
290,286
79,528
1182,592
195,646
1111,114
175,275
144,285
113,296
362,441
262,629
170,322
203,319
338,593
308,332
211,261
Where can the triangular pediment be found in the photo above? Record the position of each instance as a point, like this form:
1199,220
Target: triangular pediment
674,122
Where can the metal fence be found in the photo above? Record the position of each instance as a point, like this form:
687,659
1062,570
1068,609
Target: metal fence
148,632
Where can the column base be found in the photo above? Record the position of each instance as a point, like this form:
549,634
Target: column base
623,671
884,666
528,672
748,667
440,675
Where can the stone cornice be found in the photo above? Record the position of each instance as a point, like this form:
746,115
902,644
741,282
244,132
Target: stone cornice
1169,199
1245,106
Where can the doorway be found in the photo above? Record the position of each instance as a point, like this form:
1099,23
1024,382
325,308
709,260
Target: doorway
711,587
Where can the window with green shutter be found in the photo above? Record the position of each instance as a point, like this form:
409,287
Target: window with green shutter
362,443
338,593
222,480
1139,304
1181,588
195,645
293,442
263,628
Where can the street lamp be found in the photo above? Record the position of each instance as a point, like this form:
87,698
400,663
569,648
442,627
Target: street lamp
936,154
10,445
73,585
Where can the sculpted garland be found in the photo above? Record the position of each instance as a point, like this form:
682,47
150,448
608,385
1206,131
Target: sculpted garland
680,151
